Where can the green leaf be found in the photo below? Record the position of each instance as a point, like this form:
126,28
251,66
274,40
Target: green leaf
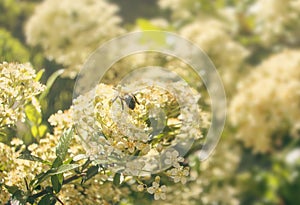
92,171
50,82
48,199
34,131
157,38
43,130
33,114
63,144
57,162
79,157
11,189
63,168
86,164
38,131
117,179
144,25
40,178
39,75
57,181
20,197
30,157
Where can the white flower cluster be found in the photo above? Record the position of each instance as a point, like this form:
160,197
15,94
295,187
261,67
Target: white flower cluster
140,60
276,21
267,102
212,36
68,31
13,171
109,127
18,87
208,185
158,191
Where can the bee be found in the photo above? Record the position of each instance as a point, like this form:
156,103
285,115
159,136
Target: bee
129,99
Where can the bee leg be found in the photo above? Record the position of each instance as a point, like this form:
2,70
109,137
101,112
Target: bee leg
122,104
114,99
135,99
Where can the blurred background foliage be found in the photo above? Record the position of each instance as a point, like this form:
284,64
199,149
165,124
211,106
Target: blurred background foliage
243,38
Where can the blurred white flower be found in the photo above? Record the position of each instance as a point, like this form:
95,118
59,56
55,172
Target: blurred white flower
68,31
267,102
293,156
214,38
276,21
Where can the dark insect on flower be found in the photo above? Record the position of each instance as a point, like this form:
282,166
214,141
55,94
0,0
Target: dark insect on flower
129,99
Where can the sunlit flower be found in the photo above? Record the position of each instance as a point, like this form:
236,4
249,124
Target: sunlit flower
68,31
173,158
134,167
267,102
213,37
18,87
116,129
158,191
276,21
179,174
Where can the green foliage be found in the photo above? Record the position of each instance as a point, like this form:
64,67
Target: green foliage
144,25
33,114
11,49
48,199
10,12
57,181
50,82
55,173
28,156
34,122
63,144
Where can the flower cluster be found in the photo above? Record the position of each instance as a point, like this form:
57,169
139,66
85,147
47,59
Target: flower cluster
267,102
61,121
208,185
273,20
71,193
141,60
212,36
138,140
14,171
158,191
69,31
109,127
18,87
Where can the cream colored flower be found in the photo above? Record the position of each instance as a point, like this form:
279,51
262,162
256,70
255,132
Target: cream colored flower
158,191
114,132
214,38
68,31
179,174
18,87
276,21
267,102
173,158
134,168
